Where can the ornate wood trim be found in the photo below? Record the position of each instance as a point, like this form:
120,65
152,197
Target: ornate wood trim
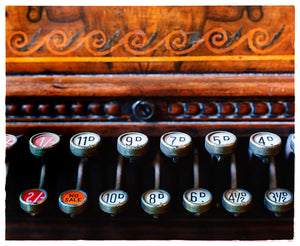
172,110
138,43
161,39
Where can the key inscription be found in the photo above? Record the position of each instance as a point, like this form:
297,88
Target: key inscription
34,196
86,139
198,196
157,197
114,197
267,139
45,140
222,138
177,139
238,196
134,139
279,196
73,197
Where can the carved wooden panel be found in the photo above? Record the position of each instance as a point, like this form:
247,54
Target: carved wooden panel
149,39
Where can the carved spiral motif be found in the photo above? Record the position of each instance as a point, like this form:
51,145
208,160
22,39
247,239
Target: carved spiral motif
95,41
19,40
218,37
217,40
176,40
56,42
258,39
136,40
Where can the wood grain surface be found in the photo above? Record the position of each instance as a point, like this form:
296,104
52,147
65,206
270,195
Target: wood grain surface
147,39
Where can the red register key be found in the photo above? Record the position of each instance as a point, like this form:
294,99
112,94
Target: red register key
10,141
33,200
41,144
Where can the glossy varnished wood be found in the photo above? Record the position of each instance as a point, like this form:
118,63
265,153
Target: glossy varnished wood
215,85
148,39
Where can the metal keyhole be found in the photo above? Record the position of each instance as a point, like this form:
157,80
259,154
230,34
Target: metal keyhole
143,110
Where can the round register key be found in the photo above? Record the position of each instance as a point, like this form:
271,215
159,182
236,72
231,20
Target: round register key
264,144
278,200
133,144
220,143
72,201
155,201
197,200
113,201
10,141
33,201
42,144
237,200
175,144
85,144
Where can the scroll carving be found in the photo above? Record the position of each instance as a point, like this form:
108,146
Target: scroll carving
138,43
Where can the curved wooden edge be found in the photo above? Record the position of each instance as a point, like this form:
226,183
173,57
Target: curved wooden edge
151,85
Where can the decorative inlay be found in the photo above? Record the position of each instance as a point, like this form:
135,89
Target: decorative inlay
139,43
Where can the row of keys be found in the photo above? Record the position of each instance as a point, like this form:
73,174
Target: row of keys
175,145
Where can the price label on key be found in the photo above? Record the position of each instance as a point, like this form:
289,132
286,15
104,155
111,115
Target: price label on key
45,140
42,144
237,200
177,139
279,196
155,201
113,201
220,143
34,196
175,144
32,201
237,196
278,200
86,139
156,197
85,144
222,138
197,200
134,139
264,144
133,144
198,196
266,139
114,197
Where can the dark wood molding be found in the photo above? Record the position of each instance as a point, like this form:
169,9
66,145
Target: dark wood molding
200,109
214,85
